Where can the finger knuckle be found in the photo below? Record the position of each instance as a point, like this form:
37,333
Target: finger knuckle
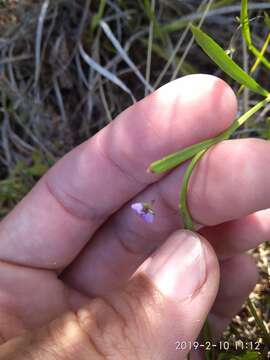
106,328
120,326
64,339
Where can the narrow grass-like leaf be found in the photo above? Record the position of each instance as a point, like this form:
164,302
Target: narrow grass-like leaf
171,161
218,55
103,71
98,16
186,68
152,16
221,3
149,48
267,20
39,32
261,325
208,3
177,158
121,51
183,21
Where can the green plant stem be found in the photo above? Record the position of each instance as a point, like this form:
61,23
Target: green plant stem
247,36
183,207
257,62
187,219
189,223
240,121
258,55
177,158
259,321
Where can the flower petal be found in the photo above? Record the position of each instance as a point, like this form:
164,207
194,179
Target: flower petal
148,217
138,208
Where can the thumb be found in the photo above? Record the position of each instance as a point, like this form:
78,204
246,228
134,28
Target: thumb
156,316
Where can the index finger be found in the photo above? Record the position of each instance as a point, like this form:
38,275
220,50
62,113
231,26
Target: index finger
58,217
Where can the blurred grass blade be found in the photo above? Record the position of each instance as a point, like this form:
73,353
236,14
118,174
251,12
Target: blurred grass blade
245,22
171,161
218,55
221,3
267,20
103,71
121,51
39,32
260,323
98,16
208,4
186,68
148,8
181,23
149,48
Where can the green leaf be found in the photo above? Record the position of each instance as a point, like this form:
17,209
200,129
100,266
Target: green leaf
245,22
218,55
171,161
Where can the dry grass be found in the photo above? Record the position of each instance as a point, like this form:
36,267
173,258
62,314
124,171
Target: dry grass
63,77
243,326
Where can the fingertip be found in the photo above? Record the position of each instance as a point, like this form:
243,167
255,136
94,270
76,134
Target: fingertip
198,95
183,266
212,280
228,167
228,101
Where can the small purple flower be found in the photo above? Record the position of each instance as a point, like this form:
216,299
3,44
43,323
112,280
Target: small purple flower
145,211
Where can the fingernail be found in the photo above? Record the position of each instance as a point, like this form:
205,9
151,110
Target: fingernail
178,267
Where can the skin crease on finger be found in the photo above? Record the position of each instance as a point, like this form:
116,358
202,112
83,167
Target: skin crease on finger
31,298
132,238
135,321
44,231
76,189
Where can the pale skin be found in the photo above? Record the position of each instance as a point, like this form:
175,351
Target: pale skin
69,249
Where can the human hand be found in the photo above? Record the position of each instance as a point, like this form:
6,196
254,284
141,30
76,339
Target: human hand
69,249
